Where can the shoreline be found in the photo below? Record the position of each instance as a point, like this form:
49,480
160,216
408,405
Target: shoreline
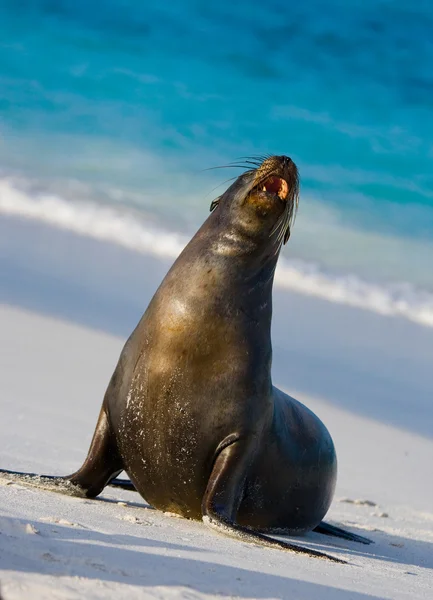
398,285
376,366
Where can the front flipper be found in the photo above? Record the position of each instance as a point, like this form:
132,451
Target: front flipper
224,494
103,462
328,529
57,483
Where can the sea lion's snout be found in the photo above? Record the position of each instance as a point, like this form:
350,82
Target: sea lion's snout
275,193
277,178
264,199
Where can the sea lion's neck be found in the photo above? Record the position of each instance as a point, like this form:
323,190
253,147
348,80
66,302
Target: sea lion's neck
254,259
220,272
222,252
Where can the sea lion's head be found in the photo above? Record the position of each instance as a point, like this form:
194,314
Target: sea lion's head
262,202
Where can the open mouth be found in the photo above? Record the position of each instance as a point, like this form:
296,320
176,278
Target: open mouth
275,186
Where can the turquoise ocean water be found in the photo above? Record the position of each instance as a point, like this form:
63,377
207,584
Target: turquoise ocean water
110,112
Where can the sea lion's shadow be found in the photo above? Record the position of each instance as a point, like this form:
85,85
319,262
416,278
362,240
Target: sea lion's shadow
89,554
129,503
388,547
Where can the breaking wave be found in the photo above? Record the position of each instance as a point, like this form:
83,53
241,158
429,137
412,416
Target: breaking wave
132,231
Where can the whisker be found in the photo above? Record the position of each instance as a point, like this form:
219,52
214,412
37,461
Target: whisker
276,251
251,157
250,162
229,166
282,228
255,160
219,185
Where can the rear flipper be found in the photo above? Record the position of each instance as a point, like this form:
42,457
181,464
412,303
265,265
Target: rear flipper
328,529
324,528
123,484
224,494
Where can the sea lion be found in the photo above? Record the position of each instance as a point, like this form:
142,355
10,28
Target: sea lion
190,412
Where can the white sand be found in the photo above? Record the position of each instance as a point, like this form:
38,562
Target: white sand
61,547
369,378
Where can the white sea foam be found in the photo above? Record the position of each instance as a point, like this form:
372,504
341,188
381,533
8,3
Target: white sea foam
401,300
133,232
92,220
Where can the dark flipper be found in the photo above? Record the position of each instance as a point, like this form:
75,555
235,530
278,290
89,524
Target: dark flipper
53,483
103,462
58,480
24,475
328,529
124,484
224,493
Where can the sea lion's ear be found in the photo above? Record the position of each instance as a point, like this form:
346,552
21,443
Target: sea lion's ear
214,203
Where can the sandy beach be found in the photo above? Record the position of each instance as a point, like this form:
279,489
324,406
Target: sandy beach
121,125
68,304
